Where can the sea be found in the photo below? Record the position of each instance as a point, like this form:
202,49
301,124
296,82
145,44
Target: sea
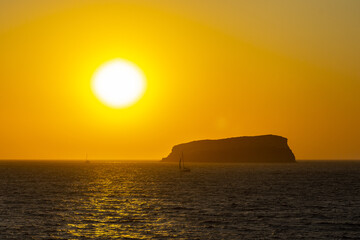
154,200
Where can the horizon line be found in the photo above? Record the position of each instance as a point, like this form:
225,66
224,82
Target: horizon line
58,159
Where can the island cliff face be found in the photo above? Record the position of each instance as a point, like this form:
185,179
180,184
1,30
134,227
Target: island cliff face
264,149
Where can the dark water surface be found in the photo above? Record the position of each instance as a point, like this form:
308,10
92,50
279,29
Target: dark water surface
139,200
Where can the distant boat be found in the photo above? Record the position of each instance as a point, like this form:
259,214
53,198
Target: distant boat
181,164
86,159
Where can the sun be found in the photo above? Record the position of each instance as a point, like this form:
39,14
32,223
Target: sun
118,83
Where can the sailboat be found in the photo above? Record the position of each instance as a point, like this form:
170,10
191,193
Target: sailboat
181,164
86,159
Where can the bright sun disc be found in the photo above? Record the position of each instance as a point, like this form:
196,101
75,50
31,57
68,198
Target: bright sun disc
118,83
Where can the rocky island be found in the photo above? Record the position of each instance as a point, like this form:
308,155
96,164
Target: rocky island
259,149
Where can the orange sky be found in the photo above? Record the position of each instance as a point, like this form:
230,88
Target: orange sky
214,70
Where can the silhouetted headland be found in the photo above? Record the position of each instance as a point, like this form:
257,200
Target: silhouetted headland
260,149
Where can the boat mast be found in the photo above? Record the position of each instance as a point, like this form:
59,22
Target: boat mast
182,156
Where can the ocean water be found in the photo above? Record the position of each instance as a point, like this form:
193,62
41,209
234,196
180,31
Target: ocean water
151,200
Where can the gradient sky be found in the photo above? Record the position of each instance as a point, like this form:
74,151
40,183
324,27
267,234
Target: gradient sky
214,69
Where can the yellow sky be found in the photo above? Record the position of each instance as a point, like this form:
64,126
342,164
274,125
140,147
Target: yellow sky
214,69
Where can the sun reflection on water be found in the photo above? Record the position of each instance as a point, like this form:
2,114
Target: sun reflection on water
114,204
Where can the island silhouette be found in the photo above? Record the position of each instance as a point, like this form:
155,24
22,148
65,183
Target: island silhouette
259,149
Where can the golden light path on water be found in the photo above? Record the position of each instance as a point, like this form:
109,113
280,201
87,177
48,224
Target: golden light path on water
115,205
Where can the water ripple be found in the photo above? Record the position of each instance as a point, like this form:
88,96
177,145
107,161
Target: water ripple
73,200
